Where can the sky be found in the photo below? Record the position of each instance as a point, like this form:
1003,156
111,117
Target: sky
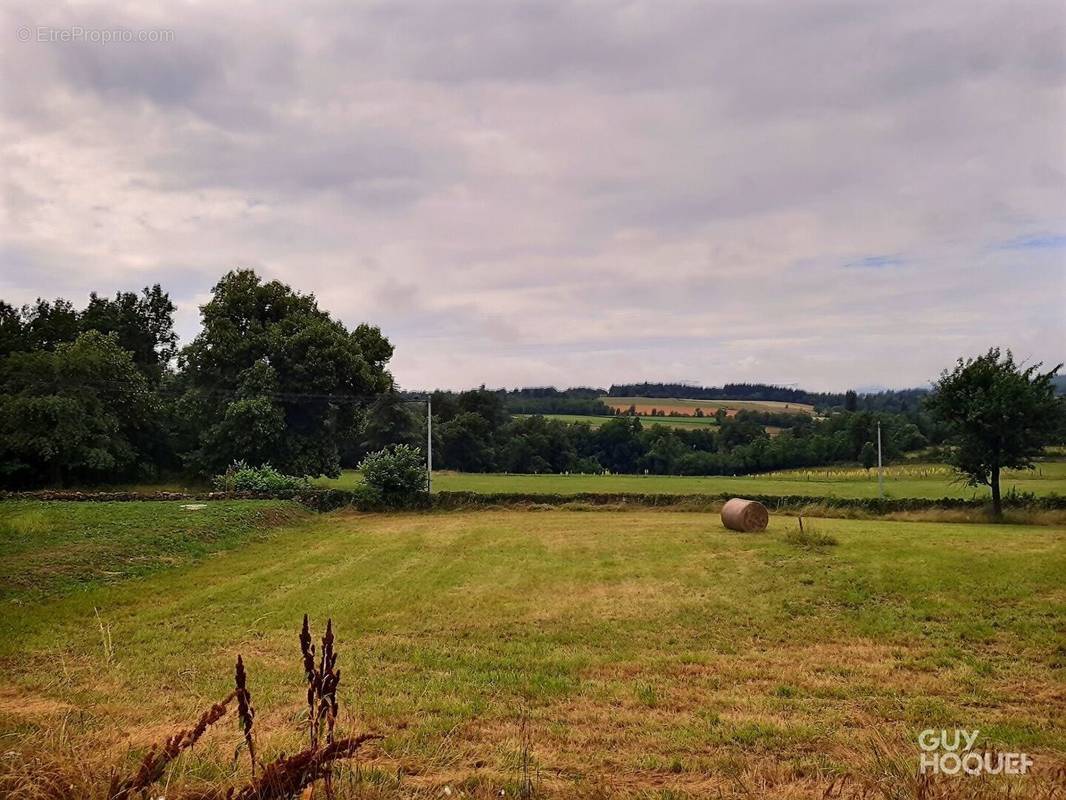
828,194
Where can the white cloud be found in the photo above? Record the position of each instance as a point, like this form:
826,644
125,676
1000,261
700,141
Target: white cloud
581,192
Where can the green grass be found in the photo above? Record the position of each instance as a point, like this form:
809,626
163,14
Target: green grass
686,423
647,650
46,547
921,480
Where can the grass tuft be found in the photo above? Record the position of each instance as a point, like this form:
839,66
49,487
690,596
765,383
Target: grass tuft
806,536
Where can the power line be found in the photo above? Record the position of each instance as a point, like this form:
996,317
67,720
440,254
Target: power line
177,391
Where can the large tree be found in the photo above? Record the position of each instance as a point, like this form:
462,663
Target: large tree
392,420
1001,416
79,412
273,378
143,325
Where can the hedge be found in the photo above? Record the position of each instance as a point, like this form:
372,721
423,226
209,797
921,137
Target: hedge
330,499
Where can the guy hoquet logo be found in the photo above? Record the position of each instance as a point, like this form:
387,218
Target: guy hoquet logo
947,752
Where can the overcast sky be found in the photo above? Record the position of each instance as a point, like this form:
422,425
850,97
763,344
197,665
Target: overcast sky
829,194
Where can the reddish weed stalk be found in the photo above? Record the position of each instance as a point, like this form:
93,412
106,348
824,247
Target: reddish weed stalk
286,776
155,762
244,709
322,682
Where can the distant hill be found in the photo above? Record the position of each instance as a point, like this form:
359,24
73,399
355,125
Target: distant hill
889,400
595,401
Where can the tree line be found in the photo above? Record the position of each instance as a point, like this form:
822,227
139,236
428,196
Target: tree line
104,394
474,432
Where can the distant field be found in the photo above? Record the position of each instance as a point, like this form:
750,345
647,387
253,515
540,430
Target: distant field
625,655
646,404
920,480
671,422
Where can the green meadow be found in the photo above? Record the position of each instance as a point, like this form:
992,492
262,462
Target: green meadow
632,654
931,481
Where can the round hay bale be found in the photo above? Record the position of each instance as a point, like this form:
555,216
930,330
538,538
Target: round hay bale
748,516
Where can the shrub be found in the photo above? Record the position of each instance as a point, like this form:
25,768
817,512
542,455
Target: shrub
240,477
397,474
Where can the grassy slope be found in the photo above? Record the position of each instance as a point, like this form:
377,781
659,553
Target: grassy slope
46,547
647,649
928,481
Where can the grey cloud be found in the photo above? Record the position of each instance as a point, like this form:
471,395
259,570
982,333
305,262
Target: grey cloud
570,192
377,168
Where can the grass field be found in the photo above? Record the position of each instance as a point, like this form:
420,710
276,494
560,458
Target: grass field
633,654
918,480
686,423
646,404
50,547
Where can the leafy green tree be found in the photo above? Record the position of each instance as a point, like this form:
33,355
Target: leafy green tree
445,405
80,412
1001,416
851,400
13,333
50,324
489,405
868,456
273,378
466,444
736,432
664,452
391,420
618,445
143,325
536,444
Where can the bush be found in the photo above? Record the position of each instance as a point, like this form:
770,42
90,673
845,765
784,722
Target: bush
397,474
240,477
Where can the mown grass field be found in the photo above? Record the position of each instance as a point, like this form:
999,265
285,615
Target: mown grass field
635,654
686,423
920,480
49,547
645,404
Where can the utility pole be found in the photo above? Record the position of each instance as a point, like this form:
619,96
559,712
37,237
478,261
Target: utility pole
880,471
429,443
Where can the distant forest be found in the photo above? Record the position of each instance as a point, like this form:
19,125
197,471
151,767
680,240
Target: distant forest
586,400
897,401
